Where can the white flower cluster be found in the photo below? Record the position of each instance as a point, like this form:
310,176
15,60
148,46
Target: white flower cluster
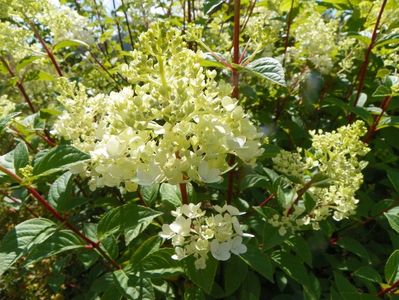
335,155
65,23
175,124
315,39
193,233
6,106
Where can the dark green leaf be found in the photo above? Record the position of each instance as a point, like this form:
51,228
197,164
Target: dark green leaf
21,157
391,270
21,238
57,159
202,278
4,121
237,267
60,191
130,219
258,261
269,68
211,6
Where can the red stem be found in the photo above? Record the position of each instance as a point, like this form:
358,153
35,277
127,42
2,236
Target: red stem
388,290
363,67
18,202
59,217
19,85
46,48
267,199
384,106
287,35
234,82
183,192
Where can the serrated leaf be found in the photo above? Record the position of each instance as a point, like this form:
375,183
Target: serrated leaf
4,121
171,194
133,287
21,157
60,241
269,68
21,238
60,191
149,193
57,159
353,246
159,264
391,269
130,219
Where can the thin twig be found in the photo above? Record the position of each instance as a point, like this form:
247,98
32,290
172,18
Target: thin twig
267,199
19,85
235,84
392,288
46,48
363,68
287,35
90,243
127,23
373,128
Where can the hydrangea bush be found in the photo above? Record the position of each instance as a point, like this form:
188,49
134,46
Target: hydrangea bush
199,149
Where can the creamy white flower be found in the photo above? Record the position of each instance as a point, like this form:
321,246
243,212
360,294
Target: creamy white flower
221,251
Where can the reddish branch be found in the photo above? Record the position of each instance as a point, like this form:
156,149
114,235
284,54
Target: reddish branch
46,48
19,85
363,67
234,82
90,243
384,106
267,199
287,35
392,288
183,192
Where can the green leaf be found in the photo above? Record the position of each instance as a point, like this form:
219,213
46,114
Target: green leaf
60,241
21,157
345,288
26,61
393,177
301,248
258,261
382,91
392,38
69,43
171,194
391,269
144,249
133,287
149,193
353,246
60,191
251,288
130,219
267,67
57,159
160,264
368,273
237,267
203,278
193,293
4,121
21,238
393,220
210,6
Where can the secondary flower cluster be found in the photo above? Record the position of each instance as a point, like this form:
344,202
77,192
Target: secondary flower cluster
334,155
315,39
6,106
193,233
175,124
